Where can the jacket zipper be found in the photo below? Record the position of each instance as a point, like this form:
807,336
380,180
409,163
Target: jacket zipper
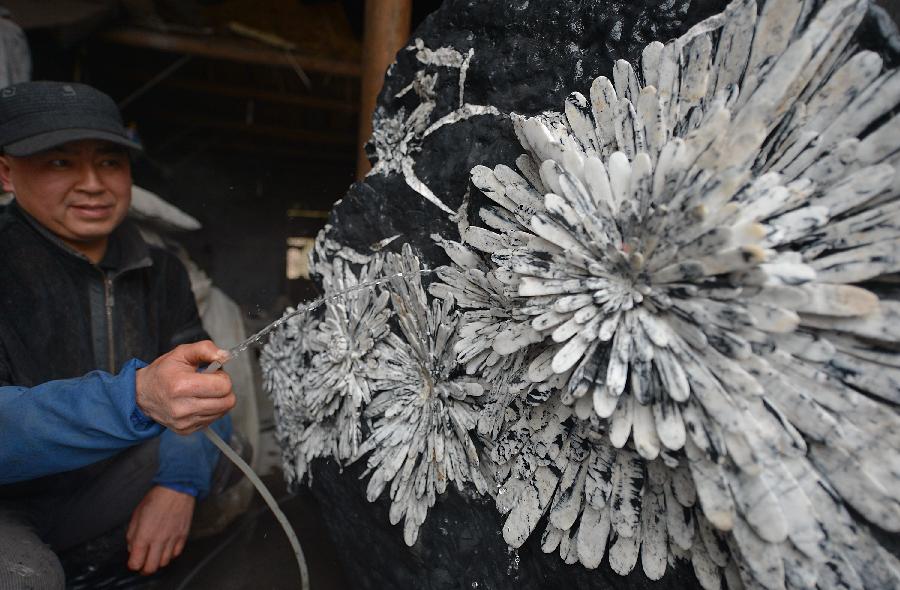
110,342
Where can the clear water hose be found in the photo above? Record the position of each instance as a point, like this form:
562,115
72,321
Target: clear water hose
270,502
236,459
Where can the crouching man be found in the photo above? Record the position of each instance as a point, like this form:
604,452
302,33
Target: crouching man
91,437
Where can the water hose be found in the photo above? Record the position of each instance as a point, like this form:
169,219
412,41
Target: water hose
269,499
236,459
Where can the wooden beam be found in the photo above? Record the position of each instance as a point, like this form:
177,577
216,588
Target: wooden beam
386,30
226,48
312,102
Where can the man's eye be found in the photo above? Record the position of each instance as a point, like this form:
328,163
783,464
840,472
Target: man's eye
111,163
59,163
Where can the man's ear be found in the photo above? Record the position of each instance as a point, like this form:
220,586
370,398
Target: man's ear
5,177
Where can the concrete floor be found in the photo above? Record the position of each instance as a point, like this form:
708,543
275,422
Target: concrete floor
252,553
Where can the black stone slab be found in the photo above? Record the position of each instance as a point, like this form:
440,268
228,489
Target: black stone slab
529,55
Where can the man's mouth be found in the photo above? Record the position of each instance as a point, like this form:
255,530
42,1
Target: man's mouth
93,211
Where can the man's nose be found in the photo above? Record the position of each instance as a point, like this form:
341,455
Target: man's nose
89,180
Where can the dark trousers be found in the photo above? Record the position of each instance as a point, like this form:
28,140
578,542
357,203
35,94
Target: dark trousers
67,510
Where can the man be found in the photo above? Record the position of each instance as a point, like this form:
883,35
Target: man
80,291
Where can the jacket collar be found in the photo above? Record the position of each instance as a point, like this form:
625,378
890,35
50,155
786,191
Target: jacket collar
133,250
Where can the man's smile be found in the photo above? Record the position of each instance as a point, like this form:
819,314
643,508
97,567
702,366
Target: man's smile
93,210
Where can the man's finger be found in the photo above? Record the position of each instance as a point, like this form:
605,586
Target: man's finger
198,423
153,555
166,555
129,534
211,407
201,353
216,384
138,556
196,413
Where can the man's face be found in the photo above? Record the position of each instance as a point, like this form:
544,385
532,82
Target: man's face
80,190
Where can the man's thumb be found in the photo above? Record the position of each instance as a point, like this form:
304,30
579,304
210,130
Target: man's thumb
202,353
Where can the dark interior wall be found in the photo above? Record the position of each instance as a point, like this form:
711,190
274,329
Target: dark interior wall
242,202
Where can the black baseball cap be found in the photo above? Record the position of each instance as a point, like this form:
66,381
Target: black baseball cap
37,116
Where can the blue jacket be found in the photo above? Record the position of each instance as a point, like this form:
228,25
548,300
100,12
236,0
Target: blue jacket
62,319
64,425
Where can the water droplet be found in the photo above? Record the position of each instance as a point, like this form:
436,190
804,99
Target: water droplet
310,306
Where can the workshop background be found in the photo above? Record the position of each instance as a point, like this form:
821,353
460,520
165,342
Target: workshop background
249,112
253,114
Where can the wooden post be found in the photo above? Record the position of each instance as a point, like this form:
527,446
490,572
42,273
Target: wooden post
386,30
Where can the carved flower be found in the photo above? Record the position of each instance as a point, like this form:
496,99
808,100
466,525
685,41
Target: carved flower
353,329
422,417
284,355
700,249
283,360
397,138
490,308
596,496
320,402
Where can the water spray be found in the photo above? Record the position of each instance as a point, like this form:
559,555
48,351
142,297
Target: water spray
238,349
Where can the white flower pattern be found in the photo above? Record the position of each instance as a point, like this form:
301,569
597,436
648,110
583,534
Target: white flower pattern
676,336
422,421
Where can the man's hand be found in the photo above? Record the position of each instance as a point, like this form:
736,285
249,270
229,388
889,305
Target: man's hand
174,394
158,529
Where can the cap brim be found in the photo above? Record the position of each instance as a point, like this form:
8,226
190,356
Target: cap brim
44,141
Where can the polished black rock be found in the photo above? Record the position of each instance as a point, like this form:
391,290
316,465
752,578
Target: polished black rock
528,56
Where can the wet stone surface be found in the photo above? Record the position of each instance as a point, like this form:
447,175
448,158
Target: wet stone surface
460,546
432,126
528,56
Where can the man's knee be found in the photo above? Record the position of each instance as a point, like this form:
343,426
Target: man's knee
26,563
